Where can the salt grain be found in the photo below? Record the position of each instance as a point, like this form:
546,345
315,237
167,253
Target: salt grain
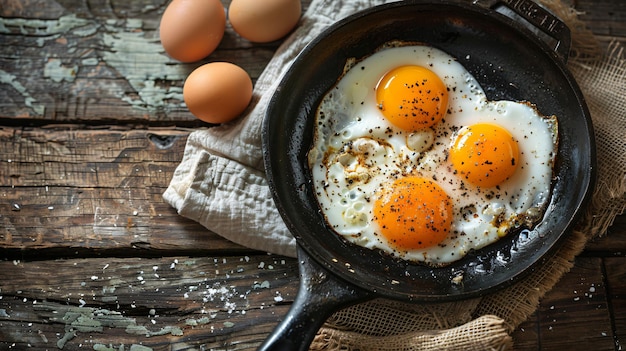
278,298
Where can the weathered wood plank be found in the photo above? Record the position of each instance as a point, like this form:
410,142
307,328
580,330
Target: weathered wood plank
168,303
573,316
613,243
73,157
579,304
616,282
94,189
606,18
99,218
100,62
83,85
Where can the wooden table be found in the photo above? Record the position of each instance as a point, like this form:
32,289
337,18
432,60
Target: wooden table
91,130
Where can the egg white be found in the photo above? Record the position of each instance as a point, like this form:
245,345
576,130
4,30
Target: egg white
356,152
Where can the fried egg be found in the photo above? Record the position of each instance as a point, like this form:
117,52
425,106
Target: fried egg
409,157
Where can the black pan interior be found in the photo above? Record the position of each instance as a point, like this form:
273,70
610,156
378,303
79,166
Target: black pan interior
509,63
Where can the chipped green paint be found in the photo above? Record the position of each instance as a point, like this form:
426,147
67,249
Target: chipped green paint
264,285
29,101
135,347
78,320
142,61
195,322
39,27
142,330
69,335
102,347
57,72
121,45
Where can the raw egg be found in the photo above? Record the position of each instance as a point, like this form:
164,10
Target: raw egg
264,21
217,92
191,30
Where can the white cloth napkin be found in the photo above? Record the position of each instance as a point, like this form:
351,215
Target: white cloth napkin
220,181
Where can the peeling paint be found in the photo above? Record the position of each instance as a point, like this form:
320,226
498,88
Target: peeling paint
142,62
29,101
94,320
136,55
56,71
92,61
39,27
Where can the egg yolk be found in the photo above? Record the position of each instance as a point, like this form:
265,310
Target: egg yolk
485,154
413,213
412,97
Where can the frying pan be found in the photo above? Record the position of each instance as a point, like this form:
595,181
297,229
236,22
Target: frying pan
511,62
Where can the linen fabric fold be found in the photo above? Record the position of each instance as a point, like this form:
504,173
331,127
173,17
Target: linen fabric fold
220,181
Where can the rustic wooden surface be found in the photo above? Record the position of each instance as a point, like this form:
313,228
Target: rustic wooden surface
92,126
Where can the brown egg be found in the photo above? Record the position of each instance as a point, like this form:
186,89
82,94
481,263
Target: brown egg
264,21
217,92
190,30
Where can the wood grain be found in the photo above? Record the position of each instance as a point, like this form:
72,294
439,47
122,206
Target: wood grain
92,127
161,303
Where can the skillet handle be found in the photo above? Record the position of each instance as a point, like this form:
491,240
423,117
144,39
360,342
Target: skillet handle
320,294
540,21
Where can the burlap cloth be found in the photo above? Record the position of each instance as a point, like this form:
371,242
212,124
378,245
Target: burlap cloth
221,184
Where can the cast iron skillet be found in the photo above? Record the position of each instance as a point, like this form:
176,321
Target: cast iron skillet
511,63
